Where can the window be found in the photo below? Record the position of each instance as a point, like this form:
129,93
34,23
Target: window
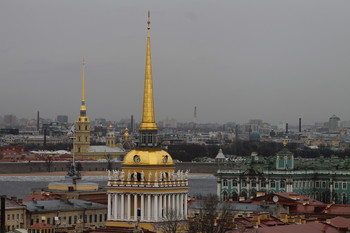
48,221
283,184
317,184
70,220
253,183
244,183
75,219
336,185
90,218
86,128
150,139
224,182
323,184
224,195
95,217
344,185
101,218
263,183
273,184
234,183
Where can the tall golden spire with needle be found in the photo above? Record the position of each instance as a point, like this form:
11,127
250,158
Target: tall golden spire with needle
148,122
83,107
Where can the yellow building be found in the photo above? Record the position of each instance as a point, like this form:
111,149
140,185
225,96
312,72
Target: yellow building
82,148
147,191
15,213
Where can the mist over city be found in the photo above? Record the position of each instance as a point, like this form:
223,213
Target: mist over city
174,116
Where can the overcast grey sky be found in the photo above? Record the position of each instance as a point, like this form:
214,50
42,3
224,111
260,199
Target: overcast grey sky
274,60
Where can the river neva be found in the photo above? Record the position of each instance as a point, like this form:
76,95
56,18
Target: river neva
22,186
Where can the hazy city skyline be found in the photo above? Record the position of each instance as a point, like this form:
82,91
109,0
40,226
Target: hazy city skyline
234,60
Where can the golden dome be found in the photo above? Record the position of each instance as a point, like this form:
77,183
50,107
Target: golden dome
148,157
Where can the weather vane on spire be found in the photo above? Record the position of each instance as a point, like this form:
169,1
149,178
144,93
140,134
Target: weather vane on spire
149,20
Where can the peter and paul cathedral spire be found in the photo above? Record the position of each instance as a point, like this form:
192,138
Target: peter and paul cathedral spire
83,107
82,125
148,128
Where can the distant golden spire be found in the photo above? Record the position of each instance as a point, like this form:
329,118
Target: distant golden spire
83,107
148,122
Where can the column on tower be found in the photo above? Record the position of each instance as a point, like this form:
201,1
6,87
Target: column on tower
142,206
115,207
122,206
155,204
185,205
164,205
109,207
181,206
160,212
135,207
177,205
128,209
148,207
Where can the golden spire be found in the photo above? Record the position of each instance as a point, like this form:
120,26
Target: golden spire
148,122
83,107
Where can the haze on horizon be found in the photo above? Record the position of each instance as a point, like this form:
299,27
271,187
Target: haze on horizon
235,60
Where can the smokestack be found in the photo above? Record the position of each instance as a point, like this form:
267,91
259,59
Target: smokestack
195,112
44,137
132,124
37,122
286,128
299,125
2,211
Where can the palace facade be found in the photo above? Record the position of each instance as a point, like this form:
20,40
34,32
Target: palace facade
326,180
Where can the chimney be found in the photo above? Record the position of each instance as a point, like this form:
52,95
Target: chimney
286,128
44,138
3,201
38,122
299,125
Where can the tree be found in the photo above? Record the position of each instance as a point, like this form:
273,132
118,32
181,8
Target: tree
109,160
214,216
172,223
48,162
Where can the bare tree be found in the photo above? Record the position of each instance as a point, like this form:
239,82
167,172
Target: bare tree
214,216
172,223
48,162
109,160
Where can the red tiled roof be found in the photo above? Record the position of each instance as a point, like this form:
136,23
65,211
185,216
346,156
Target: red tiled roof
302,228
340,222
40,225
338,209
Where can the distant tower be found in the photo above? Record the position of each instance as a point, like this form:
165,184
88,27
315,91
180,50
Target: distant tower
195,112
286,128
334,123
82,125
299,125
110,139
38,121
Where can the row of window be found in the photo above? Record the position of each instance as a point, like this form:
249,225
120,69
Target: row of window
319,184
297,184
86,138
254,184
14,217
74,219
